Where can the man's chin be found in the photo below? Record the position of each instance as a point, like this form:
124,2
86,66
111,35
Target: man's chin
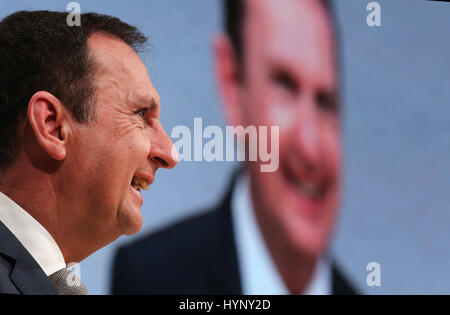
310,239
132,230
130,222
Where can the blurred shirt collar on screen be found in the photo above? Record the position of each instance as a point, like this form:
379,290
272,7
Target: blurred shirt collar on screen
32,235
259,274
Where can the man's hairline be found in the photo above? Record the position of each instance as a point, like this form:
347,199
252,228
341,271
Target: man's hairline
94,71
239,58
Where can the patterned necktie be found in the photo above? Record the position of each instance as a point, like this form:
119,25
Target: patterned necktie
67,283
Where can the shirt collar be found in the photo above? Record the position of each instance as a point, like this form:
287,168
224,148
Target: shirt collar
259,274
32,235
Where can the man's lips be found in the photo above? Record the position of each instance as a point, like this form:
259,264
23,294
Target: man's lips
312,187
141,181
137,195
138,182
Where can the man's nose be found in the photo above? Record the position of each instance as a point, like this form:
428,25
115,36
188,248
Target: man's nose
162,151
307,134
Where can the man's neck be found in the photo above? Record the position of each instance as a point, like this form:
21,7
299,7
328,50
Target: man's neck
32,191
295,267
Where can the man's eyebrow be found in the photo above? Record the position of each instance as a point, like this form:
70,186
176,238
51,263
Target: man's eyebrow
149,101
153,104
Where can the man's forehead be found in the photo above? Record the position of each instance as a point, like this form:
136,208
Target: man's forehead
288,16
295,33
104,44
112,54
118,67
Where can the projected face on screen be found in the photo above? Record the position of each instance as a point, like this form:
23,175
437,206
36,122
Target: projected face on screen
288,79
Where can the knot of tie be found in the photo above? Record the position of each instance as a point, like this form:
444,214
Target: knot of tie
67,283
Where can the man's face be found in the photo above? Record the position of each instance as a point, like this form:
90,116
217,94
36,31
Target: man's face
124,143
289,80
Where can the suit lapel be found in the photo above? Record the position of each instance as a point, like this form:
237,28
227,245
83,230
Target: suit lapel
27,275
340,285
224,263
225,268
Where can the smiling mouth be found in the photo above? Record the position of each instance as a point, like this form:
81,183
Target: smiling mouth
139,183
310,189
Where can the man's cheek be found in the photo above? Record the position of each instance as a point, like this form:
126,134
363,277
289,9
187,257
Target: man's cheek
143,144
281,116
333,152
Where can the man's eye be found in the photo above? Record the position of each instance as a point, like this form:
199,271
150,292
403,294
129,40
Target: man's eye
285,81
141,112
327,102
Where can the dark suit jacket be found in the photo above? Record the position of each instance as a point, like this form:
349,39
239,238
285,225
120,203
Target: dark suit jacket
197,256
19,272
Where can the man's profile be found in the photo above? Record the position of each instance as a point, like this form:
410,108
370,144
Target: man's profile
80,137
275,66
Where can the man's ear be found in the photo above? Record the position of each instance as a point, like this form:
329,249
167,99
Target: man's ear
228,78
48,119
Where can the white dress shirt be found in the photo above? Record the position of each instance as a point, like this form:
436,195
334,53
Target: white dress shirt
32,235
259,275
